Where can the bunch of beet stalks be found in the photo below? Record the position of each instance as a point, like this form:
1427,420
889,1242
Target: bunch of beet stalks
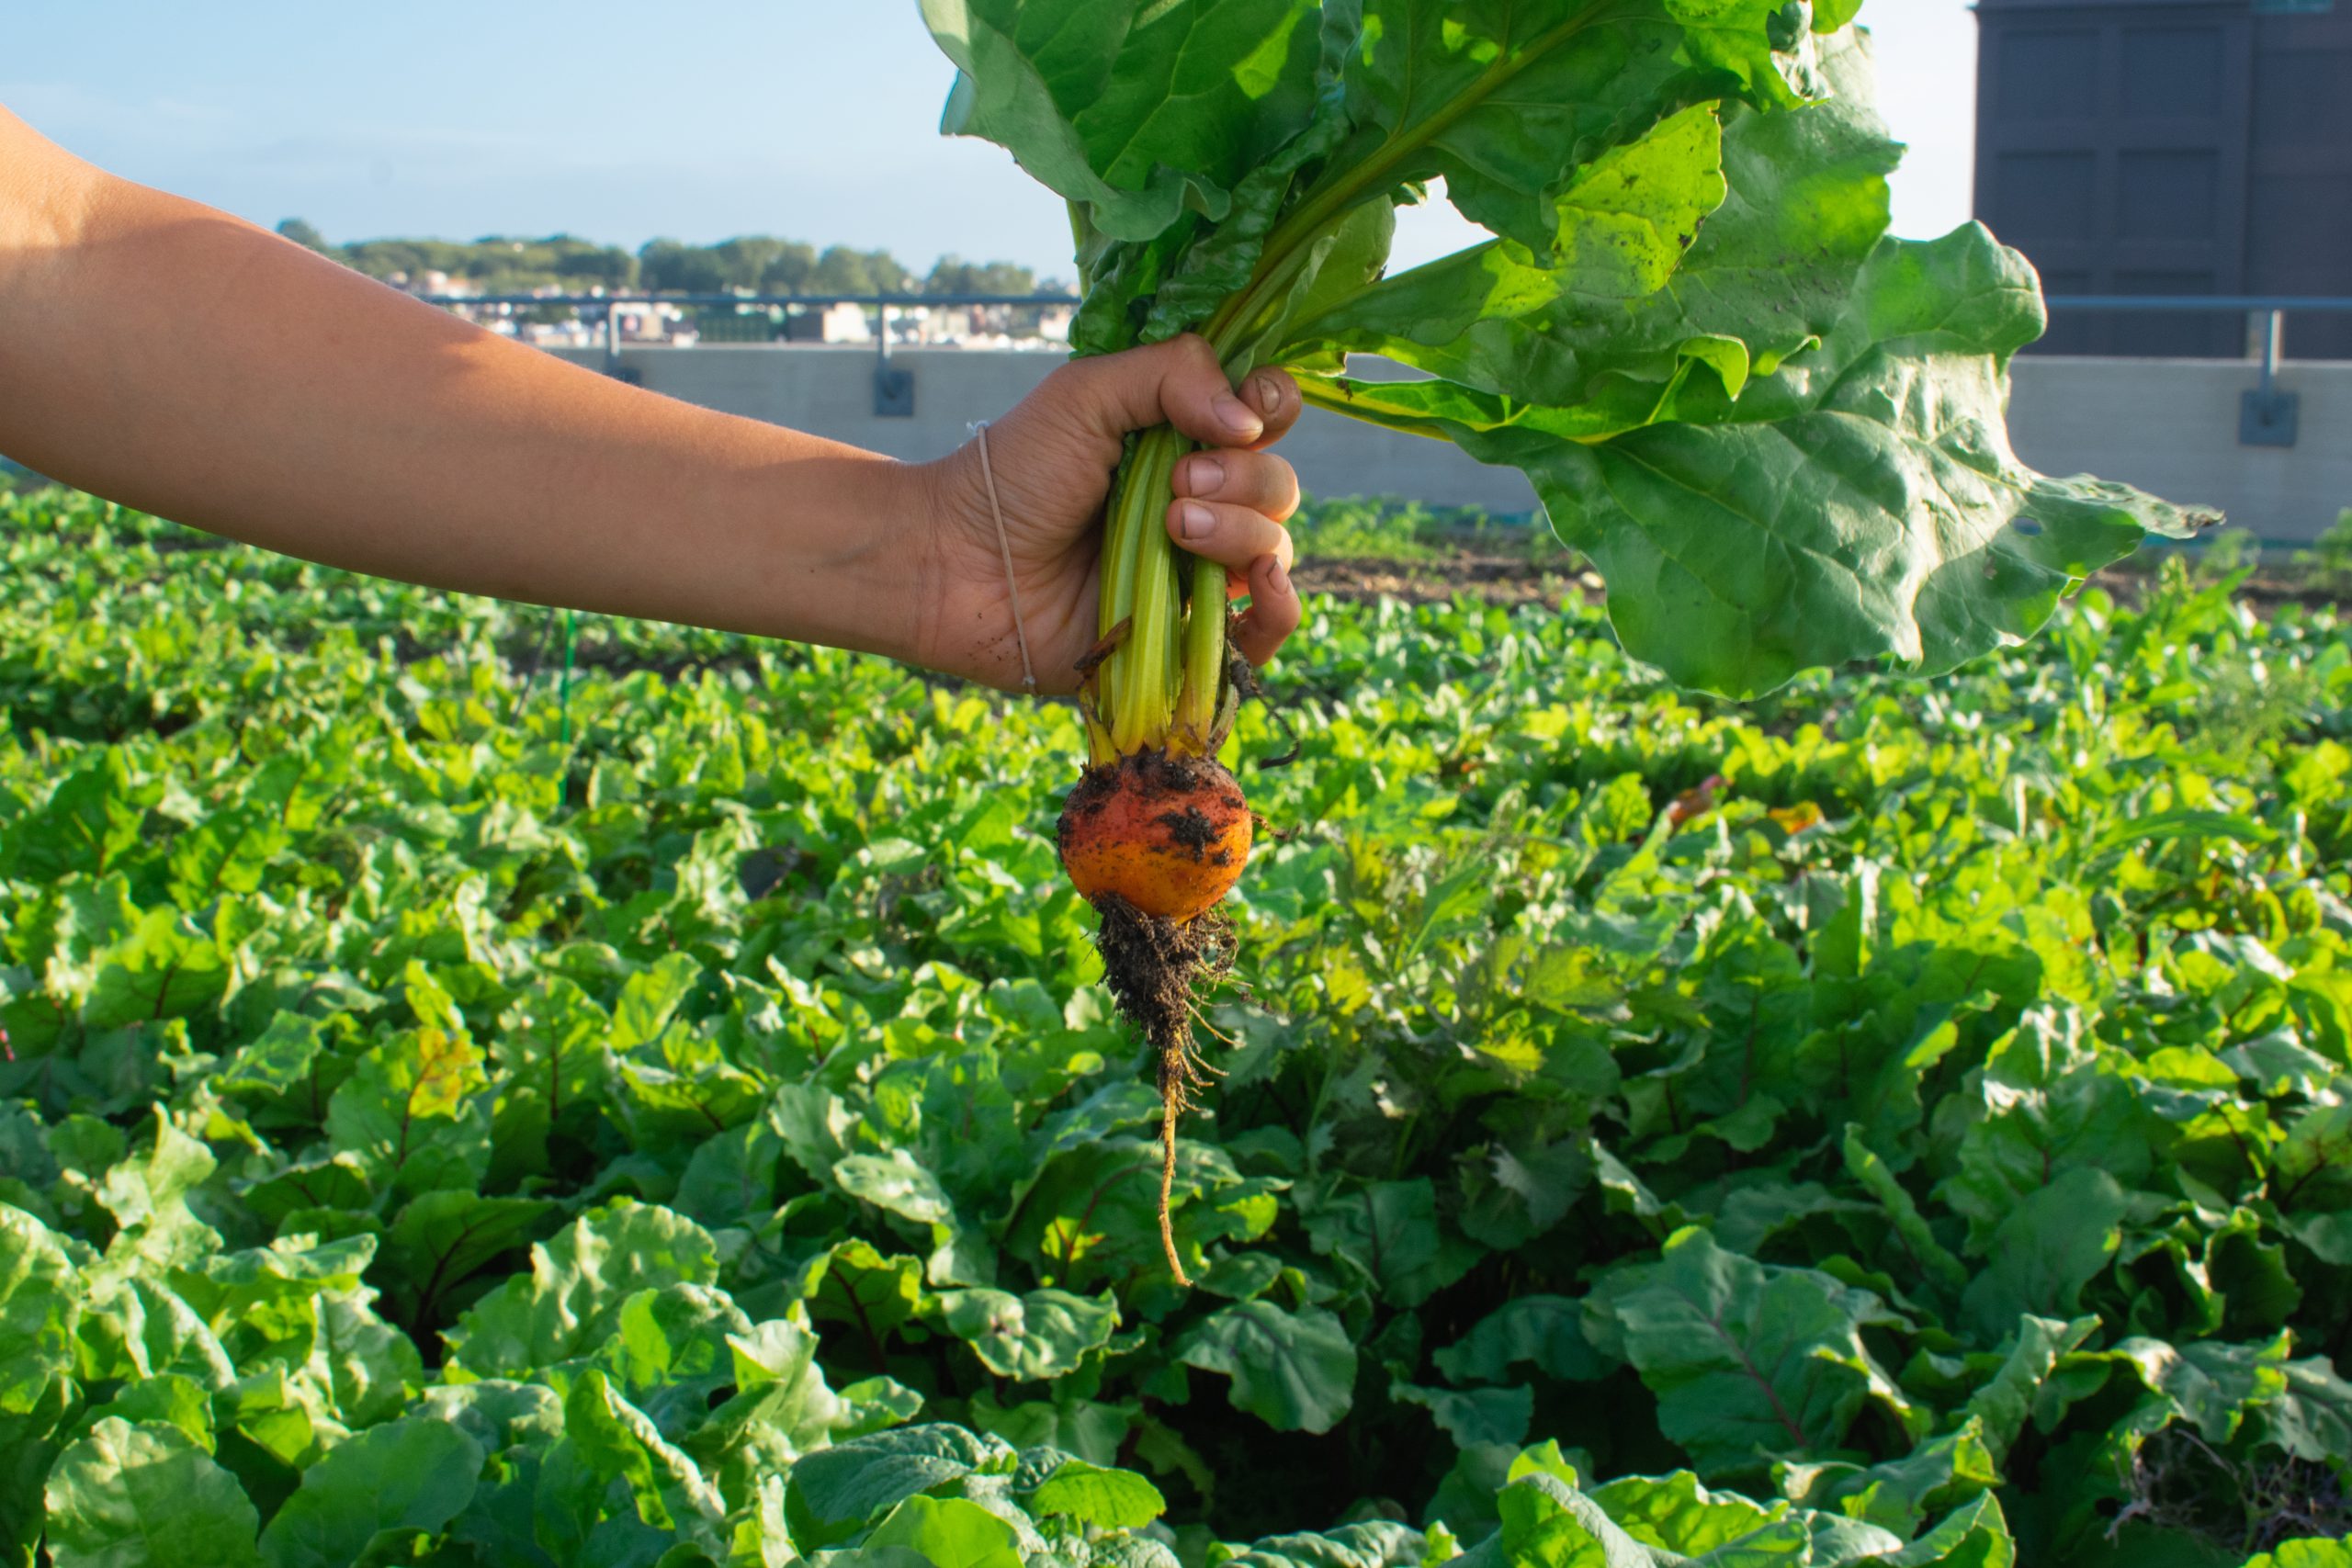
1157,832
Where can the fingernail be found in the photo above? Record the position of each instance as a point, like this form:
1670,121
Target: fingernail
1268,395
1279,576
1195,520
1207,474
1235,415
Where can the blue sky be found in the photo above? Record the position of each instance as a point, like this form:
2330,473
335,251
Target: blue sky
810,119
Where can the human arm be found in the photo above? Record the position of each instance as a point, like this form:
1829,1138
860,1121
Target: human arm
176,359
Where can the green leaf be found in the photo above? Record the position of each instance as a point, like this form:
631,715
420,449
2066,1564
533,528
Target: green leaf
146,1496
1863,502
897,1184
1135,112
1295,1371
2311,1418
1504,101
949,1533
1045,1334
39,1306
277,1061
443,1238
617,1441
410,1477
1910,1225
2313,1167
1767,277
148,1196
580,1280
497,1414
2050,1105
1473,1417
91,819
229,852
1675,1512
415,1113
1749,1360
167,1399
166,967
29,1444
782,1409
1545,1332
1974,1535
2311,1552
2053,1243
1546,1524
1899,1493
1390,1234
836,1492
2004,1404
855,1284
1108,1499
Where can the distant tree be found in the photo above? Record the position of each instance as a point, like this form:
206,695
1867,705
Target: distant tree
301,233
497,263
953,275
842,270
587,266
667,266
792,271
507,264
745,259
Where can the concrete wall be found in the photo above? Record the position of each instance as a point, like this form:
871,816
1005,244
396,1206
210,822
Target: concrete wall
2169,427
830,392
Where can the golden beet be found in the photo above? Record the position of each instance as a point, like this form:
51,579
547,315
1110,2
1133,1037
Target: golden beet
1170,835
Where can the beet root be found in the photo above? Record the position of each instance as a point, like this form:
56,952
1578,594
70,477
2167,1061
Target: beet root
1154,841
1168,835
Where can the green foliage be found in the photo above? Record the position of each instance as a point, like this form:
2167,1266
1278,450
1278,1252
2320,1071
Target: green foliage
2228,553
2329,560
1358,528
758,262
496,263
709,1141
1776,430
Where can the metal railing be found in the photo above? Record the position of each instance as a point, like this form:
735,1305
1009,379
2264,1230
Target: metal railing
2268,415
894,387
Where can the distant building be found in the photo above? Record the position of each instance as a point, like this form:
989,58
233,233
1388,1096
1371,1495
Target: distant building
2171,147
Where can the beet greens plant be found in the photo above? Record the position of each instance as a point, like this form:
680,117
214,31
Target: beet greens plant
1776,429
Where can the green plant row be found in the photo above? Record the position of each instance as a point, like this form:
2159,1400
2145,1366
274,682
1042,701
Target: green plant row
1899,1121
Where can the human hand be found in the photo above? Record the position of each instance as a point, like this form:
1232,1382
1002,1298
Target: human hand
1053,458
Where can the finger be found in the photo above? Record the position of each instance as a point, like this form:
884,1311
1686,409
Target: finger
1276,396
1178,382
1274,613
1233,537
1259,480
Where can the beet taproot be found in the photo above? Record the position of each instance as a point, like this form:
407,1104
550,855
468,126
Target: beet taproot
1166,834
1154,841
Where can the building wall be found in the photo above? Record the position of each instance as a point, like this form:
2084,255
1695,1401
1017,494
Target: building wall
2171,428
2298,209
2167,427
2171,147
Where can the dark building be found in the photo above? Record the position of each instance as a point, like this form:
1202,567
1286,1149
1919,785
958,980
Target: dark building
2172,147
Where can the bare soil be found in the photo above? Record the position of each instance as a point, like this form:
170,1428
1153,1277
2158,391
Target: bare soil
1514,581
1499,580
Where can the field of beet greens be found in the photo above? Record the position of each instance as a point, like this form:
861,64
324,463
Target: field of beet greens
444,1125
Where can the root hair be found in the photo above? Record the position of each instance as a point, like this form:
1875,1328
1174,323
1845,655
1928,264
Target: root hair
1154,968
